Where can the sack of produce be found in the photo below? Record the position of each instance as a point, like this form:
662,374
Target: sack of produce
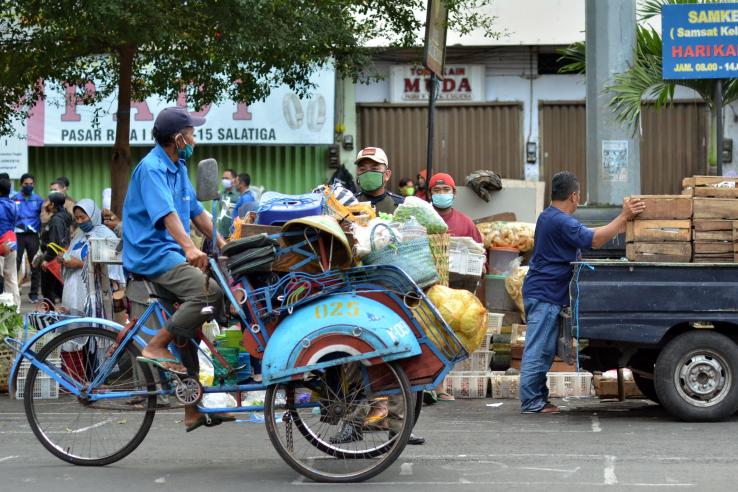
423,212
464,312
413,257
518,235
514,285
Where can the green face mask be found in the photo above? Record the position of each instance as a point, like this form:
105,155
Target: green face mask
409,191
371,180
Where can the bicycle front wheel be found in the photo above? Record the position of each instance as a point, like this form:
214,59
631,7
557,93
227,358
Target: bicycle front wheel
320,425
80,430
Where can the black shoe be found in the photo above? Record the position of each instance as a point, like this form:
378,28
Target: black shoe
348,433
413,440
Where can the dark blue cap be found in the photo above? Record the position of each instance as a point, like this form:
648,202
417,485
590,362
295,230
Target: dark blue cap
175,119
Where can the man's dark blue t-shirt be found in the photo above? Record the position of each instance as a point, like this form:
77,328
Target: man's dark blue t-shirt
558,239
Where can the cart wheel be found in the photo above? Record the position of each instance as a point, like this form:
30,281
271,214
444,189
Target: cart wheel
79,430
326,412
696,376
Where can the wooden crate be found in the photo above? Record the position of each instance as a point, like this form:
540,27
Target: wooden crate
676,252
658,230
715,208
705,181
666,207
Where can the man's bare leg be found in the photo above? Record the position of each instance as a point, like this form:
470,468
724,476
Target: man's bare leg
157,348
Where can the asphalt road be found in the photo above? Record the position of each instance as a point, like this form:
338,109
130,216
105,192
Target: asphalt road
471,446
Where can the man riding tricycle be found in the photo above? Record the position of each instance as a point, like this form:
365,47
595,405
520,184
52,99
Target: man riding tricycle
325,344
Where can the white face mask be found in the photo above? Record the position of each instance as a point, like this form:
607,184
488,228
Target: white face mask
227,183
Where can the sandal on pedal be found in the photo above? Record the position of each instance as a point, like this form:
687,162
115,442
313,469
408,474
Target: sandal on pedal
443,396
209,420
160,361
379,412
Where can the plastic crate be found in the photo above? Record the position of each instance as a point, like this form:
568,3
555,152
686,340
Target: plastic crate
45,389
477,362
564,384
494,322
504,386
465,262
466,384
105,250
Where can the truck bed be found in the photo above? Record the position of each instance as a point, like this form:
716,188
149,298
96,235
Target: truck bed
634,302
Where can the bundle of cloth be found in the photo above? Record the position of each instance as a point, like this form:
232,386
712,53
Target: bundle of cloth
483,183
251,254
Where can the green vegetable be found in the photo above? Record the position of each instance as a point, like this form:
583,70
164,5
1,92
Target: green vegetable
10,322
422,212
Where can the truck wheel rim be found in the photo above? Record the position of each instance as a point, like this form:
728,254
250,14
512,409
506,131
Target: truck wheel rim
702,378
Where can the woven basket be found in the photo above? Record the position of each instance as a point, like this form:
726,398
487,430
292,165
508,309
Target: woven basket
7,356
439,250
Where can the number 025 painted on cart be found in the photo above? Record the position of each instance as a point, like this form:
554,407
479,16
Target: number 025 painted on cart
337,308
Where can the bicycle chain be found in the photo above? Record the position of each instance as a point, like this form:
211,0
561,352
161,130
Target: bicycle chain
287,419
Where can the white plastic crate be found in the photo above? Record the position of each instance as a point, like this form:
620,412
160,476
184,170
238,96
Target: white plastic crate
466,384
465,262
45,388
104,250
485,345
563,384
504,386
477,362
494,322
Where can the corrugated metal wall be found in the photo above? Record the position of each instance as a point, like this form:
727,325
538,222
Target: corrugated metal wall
672,144
289,169
468,137
563,140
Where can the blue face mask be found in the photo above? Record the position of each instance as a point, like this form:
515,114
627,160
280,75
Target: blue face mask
86,226
443,201
185,153
27,189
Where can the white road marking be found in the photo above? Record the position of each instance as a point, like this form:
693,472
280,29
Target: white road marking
557,470
90,427
515,483
406,469
610,478
8,458
596,424
161,480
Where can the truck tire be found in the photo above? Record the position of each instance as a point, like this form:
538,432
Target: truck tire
647,387
696,376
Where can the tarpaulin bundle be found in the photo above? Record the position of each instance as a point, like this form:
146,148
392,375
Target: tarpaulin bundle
483,183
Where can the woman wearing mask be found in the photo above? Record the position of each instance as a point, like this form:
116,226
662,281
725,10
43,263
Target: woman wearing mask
407,187
55,233
77,296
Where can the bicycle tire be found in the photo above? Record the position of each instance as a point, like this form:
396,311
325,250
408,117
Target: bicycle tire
31,403
385,454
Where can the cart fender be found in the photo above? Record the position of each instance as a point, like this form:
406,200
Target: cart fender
357,328
74,322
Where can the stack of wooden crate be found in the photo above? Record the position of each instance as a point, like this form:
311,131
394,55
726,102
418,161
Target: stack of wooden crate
662,233
715,218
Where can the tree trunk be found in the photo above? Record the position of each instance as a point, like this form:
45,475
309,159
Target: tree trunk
120,161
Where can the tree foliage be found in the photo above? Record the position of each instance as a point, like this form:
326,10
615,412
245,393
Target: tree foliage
210,49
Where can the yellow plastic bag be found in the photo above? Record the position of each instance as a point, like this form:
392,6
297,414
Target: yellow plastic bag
518,235
514,285
464,312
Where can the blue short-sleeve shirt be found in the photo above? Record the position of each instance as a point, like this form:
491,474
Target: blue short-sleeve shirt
558,240
158,187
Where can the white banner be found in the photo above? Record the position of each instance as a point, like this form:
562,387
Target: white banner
461,83
14,153
283,119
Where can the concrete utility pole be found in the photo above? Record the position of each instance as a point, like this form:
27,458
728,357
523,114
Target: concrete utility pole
613,153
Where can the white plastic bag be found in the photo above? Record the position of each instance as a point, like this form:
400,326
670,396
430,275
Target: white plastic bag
423,212
362,236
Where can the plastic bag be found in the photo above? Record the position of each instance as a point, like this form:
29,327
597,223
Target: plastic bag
411,230
464,312
423,212
466,244
207,371
362,236
518,235
514,284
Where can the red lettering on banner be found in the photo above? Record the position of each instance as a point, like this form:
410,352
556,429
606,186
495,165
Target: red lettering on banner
412,85
449,85
71,100
730,51
699,50
242,112
676,51
464,85
143,113
688,52
719,50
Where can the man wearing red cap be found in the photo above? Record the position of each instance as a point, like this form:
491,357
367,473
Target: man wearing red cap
442,188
